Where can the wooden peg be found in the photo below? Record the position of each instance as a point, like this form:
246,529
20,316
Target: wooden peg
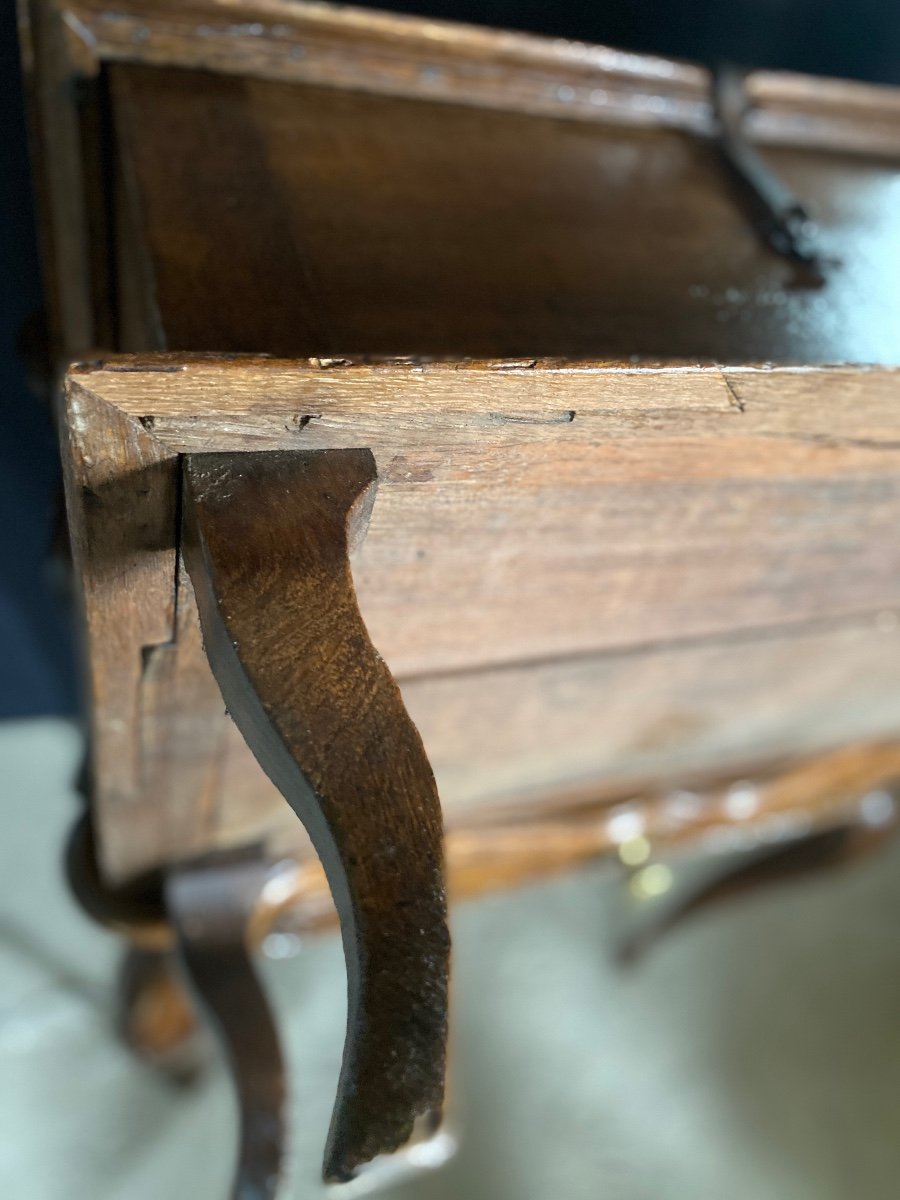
265,540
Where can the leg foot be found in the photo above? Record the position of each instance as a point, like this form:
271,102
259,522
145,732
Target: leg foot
157,1019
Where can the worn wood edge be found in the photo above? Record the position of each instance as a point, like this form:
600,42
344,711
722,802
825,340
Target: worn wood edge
789,109
386,53
208,375
101,447
441,61
190,401
177,361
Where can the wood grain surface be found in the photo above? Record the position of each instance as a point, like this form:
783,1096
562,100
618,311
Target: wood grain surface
523,174
360,223
533,512
384,53
678,666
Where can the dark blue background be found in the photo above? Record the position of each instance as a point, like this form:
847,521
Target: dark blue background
36,644
858,39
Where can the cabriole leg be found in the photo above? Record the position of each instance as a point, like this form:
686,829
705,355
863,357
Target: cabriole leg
266,538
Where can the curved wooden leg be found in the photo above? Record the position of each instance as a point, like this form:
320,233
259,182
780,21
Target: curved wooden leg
265,541
210,904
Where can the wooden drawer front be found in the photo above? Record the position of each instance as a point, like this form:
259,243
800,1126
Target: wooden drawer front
720,545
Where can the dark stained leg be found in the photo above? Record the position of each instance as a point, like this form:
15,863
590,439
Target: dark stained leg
266,541
210,904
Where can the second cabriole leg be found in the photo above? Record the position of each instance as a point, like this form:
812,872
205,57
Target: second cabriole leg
210,903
